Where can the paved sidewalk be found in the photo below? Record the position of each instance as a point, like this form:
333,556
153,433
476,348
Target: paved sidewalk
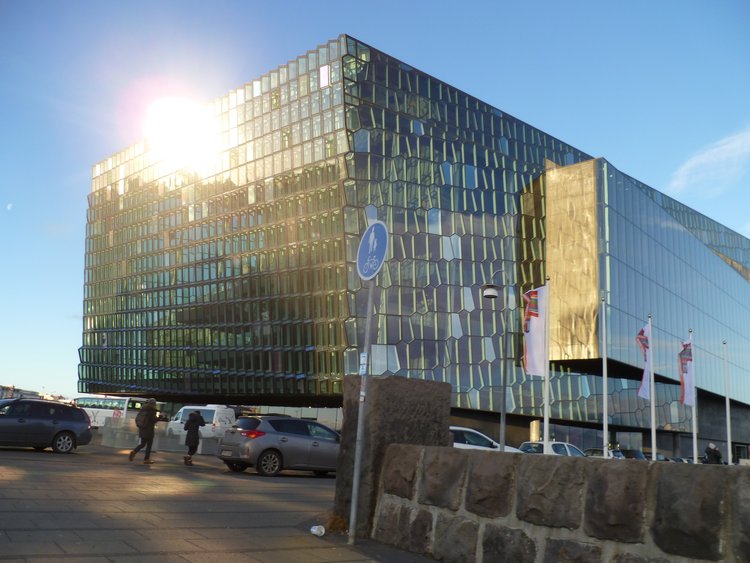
95,506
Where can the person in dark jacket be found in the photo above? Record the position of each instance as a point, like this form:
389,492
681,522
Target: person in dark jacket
146,421
713,454
193,438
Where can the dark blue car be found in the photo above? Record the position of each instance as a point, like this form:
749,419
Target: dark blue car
40,424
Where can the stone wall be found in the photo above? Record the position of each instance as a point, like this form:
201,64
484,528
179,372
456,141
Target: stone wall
467,505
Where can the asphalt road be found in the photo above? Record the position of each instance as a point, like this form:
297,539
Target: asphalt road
94,506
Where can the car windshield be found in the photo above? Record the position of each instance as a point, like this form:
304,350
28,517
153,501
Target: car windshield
532,447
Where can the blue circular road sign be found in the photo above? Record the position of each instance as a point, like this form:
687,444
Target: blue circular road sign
372,248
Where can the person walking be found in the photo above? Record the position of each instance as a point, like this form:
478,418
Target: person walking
193,438
146,421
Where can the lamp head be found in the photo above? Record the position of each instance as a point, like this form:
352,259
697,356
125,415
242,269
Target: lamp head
490,291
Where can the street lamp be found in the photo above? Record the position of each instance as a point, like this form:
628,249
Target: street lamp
492,291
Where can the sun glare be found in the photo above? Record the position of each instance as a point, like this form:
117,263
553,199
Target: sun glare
181,134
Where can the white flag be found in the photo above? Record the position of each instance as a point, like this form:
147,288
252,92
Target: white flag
534,328
644,341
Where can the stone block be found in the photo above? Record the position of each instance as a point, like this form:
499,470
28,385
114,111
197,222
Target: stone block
615,501
564,551
690,501
505,544
455,539
404,527
490,483
550,490
741,522
397,410
633,558
389,528
442,482
420,535
400,470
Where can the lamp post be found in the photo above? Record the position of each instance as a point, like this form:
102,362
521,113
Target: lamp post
492,291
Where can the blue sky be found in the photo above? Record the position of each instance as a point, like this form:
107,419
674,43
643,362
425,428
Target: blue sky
660,89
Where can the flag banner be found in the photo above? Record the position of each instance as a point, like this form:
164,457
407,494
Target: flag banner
644,341
687,374
534,325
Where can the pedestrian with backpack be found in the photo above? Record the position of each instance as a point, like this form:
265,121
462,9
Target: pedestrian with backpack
145,420
193,438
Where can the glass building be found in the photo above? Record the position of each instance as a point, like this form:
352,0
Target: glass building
229,274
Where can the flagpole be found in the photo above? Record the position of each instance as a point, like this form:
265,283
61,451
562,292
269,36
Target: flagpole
652,388
695,399
546,443
726,399
605,393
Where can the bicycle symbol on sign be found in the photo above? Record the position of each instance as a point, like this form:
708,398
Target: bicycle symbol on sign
372,249
371,264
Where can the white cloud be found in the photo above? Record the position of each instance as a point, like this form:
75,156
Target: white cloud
9,206
716,168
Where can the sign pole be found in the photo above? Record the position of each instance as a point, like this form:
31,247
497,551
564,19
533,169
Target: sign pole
370,258
363,365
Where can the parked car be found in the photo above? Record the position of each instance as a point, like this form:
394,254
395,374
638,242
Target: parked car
659,456
634,454
219,419
40,424
558,448
598,452
274,443
470,439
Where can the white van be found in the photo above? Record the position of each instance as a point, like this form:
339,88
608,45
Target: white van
218,419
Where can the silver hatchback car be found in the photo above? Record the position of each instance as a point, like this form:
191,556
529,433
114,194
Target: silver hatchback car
274,443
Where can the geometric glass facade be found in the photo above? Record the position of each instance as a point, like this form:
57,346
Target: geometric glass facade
234,279
612,237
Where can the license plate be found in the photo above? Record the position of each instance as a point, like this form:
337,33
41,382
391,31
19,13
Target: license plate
226,453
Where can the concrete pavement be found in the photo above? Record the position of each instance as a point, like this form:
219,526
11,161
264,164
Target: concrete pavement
95,506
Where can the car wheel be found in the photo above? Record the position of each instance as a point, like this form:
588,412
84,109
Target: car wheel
235,467
64,443
269,463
